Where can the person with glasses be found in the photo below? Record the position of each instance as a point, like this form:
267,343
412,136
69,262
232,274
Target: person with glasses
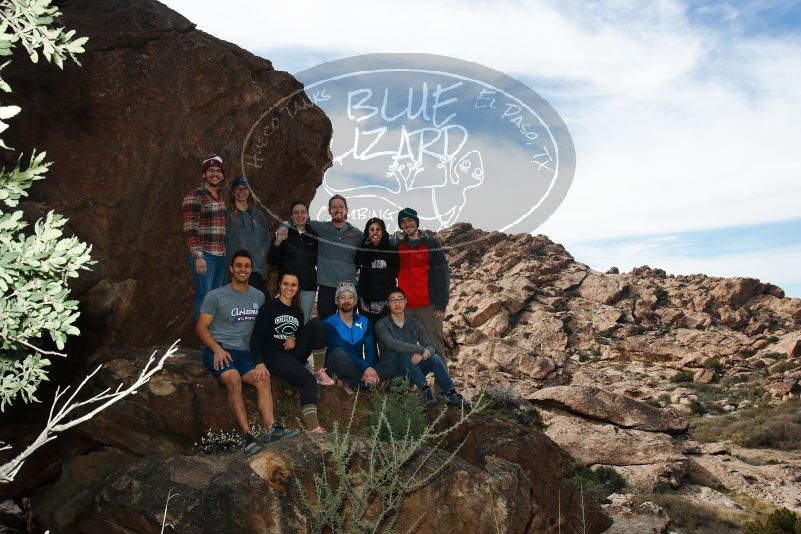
403,339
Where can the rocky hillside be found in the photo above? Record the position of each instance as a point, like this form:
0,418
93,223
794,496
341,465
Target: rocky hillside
616,362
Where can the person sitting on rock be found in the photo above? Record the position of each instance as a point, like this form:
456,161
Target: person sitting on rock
226,322
351,354
284,342
403,339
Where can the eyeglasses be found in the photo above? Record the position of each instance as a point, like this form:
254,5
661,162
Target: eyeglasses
396,300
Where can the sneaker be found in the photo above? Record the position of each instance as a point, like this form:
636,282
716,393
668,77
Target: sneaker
251,445
278,432
318,430
429,399
455,399
323,379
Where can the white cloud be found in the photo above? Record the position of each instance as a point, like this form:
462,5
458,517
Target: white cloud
677,127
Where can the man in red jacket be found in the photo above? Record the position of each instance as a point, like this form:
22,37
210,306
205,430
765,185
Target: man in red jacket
423,276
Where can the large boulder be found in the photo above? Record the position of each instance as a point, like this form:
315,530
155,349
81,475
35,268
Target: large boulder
602,405
277,490
168,415
126,133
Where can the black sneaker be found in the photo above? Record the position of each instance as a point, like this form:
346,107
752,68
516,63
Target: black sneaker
278,432
251,445
455,399
429,399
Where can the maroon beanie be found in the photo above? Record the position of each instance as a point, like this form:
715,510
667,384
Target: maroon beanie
212,160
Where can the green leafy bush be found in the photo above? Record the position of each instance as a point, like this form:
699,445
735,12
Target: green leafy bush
404,414
35,264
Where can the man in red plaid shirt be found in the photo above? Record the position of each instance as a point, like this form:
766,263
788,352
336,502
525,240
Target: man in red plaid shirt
204,228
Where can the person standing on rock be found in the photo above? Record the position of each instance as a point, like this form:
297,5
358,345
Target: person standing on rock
337,247
404,340
295,250
377,262
246,228
204,228
423,276
351,354
225,326
283,341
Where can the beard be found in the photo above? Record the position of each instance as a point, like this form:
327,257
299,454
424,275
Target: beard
346,307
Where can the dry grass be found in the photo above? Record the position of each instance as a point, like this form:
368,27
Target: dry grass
775,427
686,516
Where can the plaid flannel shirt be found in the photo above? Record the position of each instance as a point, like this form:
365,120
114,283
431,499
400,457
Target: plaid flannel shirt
204,223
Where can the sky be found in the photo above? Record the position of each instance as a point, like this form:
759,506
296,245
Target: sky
685,116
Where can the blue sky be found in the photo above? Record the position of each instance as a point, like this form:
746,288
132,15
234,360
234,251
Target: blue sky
686,116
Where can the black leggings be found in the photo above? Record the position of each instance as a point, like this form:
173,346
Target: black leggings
290,366
326,306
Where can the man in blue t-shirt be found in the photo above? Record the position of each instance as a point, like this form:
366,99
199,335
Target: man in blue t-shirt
225,325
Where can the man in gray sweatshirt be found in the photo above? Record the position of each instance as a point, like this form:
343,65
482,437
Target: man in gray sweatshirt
338,242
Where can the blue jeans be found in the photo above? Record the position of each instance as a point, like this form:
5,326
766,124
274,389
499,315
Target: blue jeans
417,373
307,303
215,270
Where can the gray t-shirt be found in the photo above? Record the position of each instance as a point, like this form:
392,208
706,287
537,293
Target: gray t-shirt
234,315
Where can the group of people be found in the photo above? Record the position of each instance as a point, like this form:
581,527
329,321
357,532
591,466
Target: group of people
380,301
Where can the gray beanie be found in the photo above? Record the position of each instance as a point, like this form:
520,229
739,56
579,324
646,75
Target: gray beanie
345,286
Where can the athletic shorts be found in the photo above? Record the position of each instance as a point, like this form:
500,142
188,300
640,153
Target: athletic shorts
241,363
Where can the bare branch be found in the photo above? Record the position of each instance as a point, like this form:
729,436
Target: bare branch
34,347
58,422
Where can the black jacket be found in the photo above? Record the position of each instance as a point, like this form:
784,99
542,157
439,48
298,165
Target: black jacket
298,254
378,270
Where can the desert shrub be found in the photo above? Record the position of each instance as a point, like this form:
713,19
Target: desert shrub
713,363
567,330
781,367
779,522
346,494
404,414
687,516
599,483
776,427
696,408
682,377
774,355
501,401
662,488
640,330
661,295
471,309
773,339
